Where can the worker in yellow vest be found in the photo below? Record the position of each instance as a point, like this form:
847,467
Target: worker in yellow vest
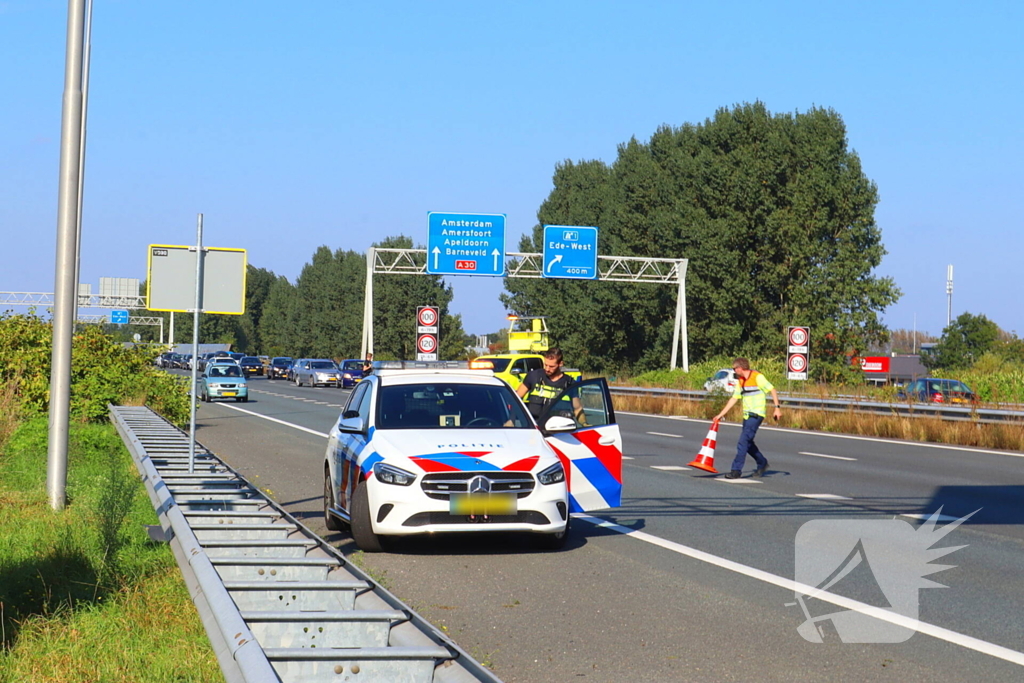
752,388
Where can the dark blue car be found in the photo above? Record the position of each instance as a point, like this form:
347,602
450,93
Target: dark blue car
351,372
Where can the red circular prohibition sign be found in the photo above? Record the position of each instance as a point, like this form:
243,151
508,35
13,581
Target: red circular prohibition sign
797,362
426,343
428,317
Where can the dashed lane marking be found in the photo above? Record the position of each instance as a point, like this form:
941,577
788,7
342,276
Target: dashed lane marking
671,436
940,518
823,496
669,468
738,481
806,432
831,457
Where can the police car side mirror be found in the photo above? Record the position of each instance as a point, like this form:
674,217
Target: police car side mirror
559,423
352,425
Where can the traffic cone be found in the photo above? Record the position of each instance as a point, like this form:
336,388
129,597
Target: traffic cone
705,460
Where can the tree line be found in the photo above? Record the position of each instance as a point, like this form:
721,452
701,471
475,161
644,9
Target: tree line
775,215
320,315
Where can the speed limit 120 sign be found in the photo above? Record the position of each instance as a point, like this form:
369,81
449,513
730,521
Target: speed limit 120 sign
426,347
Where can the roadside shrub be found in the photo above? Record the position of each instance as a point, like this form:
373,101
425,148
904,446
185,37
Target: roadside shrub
102,371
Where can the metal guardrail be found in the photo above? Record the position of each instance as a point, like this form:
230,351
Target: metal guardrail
280,605
900,409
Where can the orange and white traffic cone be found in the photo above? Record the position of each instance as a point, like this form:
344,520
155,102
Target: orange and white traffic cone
705,460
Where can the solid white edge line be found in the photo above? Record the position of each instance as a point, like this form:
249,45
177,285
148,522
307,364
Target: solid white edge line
834,435
671,436
822,455
274,419
947,635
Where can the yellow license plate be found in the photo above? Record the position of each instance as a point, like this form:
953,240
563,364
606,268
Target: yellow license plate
482,504
229,393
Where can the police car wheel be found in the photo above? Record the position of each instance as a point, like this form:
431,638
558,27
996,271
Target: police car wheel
362,530
554,541
330,521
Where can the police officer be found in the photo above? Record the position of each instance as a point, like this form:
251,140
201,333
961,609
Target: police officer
540,387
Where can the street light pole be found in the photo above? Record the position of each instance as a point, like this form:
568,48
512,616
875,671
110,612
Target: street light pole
65,290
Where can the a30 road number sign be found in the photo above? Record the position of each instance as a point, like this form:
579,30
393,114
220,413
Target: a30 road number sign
798,356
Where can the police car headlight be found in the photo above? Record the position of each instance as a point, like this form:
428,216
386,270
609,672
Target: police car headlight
552,475
393,475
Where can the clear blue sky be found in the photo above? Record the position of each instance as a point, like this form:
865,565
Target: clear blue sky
291,125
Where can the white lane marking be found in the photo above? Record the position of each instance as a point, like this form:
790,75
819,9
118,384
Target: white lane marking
671,436
274,419
320,403
669,468
940,518
738,481
822,455
823,496
947,635
628,457
896,442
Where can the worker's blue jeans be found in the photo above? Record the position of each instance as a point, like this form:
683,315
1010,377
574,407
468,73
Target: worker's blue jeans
746,443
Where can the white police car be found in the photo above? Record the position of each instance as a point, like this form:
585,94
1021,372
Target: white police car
425,448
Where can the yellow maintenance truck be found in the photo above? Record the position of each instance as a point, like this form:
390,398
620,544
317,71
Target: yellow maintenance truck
527,340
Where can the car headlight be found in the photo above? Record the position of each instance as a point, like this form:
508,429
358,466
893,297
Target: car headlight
552,475
348,375
393,475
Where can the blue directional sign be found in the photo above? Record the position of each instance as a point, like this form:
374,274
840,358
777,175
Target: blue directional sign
570,251
119,317
465,243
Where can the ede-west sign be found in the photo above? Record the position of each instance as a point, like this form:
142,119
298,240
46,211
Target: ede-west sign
465,243
570,252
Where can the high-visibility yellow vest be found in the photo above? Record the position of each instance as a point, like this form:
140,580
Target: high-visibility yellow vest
753,390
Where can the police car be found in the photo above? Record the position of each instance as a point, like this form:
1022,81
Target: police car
424,448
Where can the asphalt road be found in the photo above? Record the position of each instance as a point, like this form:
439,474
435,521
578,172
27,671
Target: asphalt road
691,578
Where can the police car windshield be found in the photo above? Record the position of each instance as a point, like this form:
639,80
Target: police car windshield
450,406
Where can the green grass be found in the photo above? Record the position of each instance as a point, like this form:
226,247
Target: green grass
84,594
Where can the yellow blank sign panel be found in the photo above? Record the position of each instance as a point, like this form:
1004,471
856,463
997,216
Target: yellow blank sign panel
171,279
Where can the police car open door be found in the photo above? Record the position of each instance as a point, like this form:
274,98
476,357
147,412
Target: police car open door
580,426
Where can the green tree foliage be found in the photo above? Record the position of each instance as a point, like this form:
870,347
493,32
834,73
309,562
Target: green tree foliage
258,282
102,371
275,323
964,341
774,214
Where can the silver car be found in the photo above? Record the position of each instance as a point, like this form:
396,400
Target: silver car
316,372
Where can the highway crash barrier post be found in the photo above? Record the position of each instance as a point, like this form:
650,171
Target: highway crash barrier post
705,459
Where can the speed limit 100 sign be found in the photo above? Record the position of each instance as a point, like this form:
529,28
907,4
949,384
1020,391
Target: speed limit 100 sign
427,316
798,336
